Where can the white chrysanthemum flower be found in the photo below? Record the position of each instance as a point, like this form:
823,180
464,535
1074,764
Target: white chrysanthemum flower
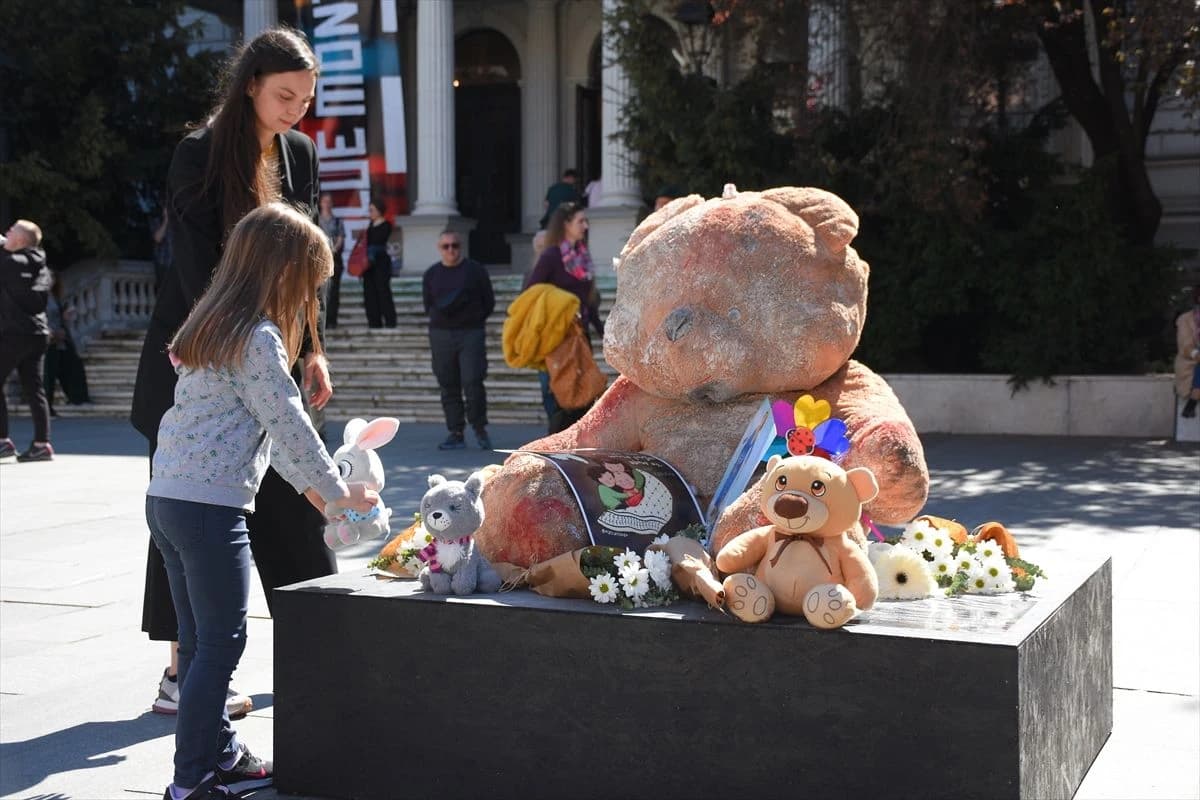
904,575
627,560
421,537
662,538
603,588
988,549
987,579
964,562
635,582
877,549
1003,585
940,542
917,535
940,567
413,564
659,564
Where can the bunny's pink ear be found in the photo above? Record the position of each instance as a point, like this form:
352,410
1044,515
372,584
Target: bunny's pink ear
377,433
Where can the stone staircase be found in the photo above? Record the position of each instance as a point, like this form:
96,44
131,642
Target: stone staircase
375,372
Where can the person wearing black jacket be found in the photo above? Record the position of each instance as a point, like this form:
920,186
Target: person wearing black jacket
458,299
246,155
24,290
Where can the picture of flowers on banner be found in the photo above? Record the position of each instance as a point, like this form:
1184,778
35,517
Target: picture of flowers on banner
627,499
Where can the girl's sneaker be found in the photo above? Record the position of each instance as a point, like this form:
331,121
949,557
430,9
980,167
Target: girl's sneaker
237,704
209,789
249,772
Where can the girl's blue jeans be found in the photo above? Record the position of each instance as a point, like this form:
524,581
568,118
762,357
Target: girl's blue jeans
206,550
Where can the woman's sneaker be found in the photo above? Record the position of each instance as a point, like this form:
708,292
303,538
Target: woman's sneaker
37,452
249,772
237,704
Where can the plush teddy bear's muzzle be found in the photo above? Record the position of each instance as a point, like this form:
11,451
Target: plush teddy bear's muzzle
797,512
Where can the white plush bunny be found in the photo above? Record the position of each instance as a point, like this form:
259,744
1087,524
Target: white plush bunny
358,463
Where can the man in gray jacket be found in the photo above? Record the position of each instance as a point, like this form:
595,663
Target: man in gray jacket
24,290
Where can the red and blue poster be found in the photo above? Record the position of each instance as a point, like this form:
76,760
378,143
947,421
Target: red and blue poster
357,118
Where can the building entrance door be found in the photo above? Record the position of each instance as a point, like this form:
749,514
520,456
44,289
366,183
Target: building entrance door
488,145
487,135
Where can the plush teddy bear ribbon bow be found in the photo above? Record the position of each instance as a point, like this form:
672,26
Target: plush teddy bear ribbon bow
786,539
428,554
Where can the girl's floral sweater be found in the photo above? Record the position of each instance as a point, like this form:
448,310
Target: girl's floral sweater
228,425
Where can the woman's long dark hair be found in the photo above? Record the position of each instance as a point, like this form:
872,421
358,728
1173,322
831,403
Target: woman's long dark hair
556,227
233,159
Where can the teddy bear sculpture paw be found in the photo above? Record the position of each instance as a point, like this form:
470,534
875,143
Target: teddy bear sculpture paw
829,605
747,598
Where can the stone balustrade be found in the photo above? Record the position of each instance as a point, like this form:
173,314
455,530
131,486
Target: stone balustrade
108,295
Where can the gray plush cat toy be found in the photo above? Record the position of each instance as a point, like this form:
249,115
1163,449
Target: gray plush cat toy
451,512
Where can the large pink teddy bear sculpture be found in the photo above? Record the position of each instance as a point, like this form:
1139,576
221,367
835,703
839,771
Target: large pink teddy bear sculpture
719,303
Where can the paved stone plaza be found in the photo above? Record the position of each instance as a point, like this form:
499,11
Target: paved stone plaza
77,676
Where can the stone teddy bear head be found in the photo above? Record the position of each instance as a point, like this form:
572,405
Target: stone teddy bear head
452,509
751,292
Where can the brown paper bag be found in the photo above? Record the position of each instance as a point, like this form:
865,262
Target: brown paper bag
557,577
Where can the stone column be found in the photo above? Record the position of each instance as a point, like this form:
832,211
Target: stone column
614,215
436,208
618,185
257,16
435,109
539,111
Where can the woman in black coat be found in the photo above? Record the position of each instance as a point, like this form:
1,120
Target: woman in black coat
245,155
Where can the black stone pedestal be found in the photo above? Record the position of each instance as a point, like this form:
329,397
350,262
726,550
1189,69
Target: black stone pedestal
382,691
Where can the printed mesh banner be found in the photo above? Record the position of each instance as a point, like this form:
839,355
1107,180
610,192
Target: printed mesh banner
357,117
627,499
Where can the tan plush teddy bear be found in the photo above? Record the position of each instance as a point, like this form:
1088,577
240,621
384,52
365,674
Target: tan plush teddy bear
720,303
803,563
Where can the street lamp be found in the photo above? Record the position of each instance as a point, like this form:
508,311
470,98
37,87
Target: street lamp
696,19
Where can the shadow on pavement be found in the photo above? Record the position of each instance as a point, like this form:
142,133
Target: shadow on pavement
28,763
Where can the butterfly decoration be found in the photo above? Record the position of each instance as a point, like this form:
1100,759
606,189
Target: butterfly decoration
806,429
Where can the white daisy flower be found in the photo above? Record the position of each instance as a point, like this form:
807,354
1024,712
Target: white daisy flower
964,562
940,542
942,567
659,564
917,535
995,567
635,582
904,575
627,560
603,588
988,549
1002,585
662,538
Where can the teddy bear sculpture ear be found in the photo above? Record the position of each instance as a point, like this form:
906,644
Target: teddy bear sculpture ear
376,433
834,222
773,461
436,480
656,220
862,480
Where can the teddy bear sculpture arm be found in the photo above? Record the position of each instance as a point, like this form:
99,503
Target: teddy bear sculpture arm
611,424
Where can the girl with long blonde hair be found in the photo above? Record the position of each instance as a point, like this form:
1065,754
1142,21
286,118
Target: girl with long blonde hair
237,411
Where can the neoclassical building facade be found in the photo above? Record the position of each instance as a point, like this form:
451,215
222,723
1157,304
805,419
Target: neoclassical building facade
462,112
